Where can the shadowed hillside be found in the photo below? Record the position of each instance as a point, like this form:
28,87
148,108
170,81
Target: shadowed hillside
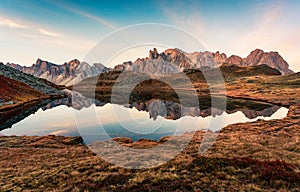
101,86
18,88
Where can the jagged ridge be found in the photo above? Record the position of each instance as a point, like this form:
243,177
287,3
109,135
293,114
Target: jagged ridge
168,62
68,73
175,60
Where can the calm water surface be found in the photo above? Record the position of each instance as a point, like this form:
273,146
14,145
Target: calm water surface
153,119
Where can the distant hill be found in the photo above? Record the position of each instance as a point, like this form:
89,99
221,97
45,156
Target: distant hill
68,73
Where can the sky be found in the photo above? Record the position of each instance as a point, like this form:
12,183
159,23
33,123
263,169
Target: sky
59,31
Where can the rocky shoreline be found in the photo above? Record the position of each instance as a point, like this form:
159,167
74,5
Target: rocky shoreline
18,104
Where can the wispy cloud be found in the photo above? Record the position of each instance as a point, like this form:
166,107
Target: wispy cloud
98,19
48,33
11,24
264,32
95,18
190,19
36,40
276,31
31,29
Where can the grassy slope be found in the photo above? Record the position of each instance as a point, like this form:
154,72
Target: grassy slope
283,90
102,86
41,85
12,90
19,87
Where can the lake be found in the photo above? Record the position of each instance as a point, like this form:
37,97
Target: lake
151,119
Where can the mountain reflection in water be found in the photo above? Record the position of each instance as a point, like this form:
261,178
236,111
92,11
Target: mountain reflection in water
57,117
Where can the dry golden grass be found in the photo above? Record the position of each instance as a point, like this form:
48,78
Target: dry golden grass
257,156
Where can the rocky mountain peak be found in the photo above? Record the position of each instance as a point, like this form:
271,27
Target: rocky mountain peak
234,59
220,55
257,51
153,54
42,65
254,57
74,62
174,53
38,61
42,62
219,58
273,59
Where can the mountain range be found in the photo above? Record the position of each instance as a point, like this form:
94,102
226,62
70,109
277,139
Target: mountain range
175,60
169,61
67,74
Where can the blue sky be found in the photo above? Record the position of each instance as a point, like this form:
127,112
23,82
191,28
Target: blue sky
59,31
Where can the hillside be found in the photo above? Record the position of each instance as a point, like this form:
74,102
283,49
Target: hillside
18,88
30,80
14,92
101,86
